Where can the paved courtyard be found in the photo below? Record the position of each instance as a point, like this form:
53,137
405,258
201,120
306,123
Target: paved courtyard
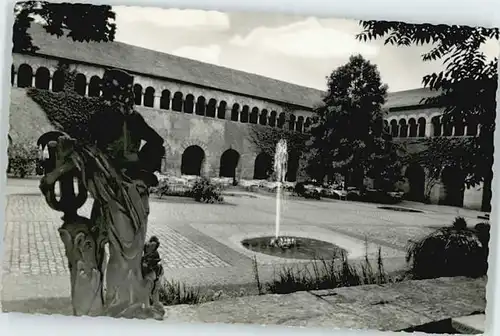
201,242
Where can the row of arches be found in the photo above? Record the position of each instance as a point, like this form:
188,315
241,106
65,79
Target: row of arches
147,97
42,79
402,128
437,126
215,109
194,157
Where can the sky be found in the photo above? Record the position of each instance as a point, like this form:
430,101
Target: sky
299,50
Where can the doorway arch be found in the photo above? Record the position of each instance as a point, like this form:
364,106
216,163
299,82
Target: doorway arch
416,179
453,179
192,160
263,166
228,162
292,166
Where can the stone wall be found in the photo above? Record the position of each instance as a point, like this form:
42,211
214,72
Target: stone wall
214,136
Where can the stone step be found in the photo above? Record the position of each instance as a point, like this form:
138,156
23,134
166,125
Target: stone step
392,307
471,325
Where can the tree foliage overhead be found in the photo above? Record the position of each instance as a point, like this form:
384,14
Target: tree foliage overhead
81,22
349,133
467,83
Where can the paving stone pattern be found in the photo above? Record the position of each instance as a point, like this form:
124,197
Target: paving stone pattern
32,245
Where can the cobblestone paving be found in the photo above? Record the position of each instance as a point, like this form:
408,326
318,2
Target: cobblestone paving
32,245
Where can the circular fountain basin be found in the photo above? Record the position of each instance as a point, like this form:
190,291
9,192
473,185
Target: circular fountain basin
301,248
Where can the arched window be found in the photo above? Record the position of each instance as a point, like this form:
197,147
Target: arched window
421,127
244,114
235,112
211,108
81,84
137,94
149,97
403,128
394,128
459,128
201,106
447,126
42,78
95,86
263,117
189,104
291,123
165,100
272,119
58,81
436,125
307,125
177,102
300,124
281,120
413,128
221,110
254,115
24,76
387,128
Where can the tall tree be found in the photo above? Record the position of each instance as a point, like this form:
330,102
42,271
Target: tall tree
81,22
349,135
467,83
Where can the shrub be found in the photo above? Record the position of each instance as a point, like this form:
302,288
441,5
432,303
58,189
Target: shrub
460,223
447,252
162,189
174,293
172,187
300,188
205,191
23,158
483,234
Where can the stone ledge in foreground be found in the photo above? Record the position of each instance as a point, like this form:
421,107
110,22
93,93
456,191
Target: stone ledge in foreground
391,307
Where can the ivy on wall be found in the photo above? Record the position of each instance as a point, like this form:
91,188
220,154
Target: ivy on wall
67,111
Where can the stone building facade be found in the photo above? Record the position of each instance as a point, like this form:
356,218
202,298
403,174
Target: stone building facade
203,111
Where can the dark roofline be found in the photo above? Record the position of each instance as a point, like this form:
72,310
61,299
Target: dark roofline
64,59
412,107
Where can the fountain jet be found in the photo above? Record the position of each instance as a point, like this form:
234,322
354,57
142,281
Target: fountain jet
280,169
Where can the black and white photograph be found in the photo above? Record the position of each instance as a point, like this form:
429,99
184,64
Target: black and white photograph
200,166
